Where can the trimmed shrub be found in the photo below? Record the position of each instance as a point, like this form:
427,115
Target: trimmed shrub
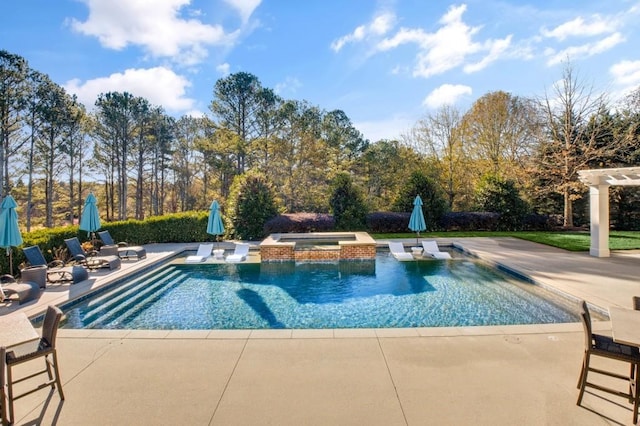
179,227
497,195
470,221
251,203
387,222
299,222
537,222
434,205
347,204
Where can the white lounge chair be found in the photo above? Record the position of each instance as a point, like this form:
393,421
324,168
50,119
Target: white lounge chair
203,253
397,250
239,254
431,249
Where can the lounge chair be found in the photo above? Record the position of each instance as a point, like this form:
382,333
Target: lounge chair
90,259
56,270
397,250
26,290
239,253
431,249
121,249
203,253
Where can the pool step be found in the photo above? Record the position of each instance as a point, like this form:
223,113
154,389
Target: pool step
126,289
131,298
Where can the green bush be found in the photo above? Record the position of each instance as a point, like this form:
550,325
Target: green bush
434,204
299,222
347,204
470,221
177,228
497,195
388,222
251,203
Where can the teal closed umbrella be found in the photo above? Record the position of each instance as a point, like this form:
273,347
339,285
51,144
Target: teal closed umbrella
416,221
9,232
90,219
215,225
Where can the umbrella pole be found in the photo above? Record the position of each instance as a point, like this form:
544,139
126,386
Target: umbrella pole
10,261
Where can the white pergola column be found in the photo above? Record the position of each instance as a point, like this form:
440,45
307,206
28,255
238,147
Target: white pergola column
599,208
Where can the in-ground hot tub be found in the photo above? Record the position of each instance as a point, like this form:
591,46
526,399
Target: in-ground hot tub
318,246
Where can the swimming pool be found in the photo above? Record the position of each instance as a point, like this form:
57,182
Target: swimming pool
380,293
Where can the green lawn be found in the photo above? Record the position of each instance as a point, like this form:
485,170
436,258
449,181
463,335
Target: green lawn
573,241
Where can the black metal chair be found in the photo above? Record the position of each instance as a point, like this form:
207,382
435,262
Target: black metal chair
90,259
46,349
604,346
122,249
56,271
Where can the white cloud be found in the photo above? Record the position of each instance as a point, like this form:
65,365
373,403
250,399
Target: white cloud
626,73
447,94
195,113
585,50
155,26
244,7
449,47
578,27
496,50
223,69
160,85
379,26
289,85
390,129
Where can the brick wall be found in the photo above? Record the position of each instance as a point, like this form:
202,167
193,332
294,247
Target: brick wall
349,252
358,251
317,255
276,253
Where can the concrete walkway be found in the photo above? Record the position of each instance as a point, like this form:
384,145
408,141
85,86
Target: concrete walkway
503,375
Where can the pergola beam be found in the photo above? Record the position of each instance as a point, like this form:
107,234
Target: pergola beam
599,182
626,176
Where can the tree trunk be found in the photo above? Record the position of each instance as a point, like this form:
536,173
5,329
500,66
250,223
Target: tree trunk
568,208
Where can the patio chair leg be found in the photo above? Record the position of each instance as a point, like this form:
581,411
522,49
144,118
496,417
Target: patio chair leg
635,383
582,371
58,382
583,377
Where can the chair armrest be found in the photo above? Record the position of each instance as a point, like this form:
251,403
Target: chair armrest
6,278
57,263
80,258
122,244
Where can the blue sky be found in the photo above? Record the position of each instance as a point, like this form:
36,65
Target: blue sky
386,64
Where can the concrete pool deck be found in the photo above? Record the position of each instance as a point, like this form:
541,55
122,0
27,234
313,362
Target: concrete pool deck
482,375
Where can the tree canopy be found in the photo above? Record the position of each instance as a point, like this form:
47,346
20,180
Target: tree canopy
142,162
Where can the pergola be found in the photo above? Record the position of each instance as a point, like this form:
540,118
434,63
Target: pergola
599,182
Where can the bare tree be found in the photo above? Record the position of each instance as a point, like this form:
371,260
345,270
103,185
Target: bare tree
439,135
571,119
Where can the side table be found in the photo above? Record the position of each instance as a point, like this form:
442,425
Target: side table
36,274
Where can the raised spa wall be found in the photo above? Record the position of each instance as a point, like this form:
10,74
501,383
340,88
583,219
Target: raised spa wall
344,246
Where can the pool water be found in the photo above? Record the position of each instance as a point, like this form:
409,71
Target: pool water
365,294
